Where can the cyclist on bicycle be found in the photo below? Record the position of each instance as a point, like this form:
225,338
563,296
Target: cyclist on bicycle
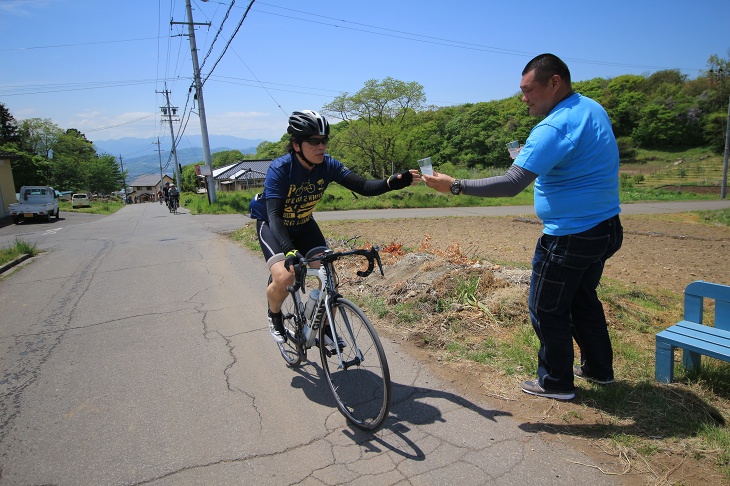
173,193
165,190
294,184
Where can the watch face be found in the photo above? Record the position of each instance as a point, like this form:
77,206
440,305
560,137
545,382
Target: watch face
456,187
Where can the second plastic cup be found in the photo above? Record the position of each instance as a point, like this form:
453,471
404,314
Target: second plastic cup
425,165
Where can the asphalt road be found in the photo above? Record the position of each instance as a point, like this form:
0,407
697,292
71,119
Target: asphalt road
134,350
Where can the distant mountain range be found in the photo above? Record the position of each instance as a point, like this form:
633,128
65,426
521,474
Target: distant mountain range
150,163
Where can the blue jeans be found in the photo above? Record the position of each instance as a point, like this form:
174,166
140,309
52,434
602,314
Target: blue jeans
564,304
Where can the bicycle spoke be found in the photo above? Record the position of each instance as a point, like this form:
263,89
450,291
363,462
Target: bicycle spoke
358,377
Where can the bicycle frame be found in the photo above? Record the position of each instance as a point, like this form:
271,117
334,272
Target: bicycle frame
325,274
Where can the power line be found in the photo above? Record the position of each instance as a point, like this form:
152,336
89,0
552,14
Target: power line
220,29
398,34
78,44
240,23
120,124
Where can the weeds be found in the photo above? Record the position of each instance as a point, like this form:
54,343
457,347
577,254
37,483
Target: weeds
17,249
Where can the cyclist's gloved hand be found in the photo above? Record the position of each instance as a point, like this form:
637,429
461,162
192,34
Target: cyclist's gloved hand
399,181
292,258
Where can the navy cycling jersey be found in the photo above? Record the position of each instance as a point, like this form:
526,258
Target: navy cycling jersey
301,189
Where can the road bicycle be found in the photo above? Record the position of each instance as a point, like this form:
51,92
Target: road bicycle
173,204
356,369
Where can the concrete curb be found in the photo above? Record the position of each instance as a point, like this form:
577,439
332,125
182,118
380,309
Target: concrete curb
7,266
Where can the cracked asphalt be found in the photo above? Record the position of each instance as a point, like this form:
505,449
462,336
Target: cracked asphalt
134,350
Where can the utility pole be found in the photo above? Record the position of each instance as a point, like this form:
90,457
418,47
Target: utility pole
168,112
159,154
723,189
199,95
124,176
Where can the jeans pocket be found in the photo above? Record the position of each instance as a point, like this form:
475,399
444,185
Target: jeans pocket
547,297
581,251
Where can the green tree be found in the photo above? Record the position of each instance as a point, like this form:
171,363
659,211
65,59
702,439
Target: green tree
9,131
272,150
72,153
623,102
189,179
102,174
28,168
40,134
375,121
228,157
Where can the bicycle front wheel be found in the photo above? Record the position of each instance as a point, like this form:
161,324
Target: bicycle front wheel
292,350
360,382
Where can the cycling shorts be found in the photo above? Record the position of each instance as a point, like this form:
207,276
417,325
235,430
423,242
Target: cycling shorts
308,241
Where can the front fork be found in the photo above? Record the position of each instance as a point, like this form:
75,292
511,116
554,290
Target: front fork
331,319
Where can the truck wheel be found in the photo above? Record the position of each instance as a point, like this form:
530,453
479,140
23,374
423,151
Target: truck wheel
58,213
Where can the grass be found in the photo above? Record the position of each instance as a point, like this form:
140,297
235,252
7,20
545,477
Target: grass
17,249
97,207
688,418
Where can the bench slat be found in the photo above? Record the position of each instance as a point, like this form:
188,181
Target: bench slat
699,331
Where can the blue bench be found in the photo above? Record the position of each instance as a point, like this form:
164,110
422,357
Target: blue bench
691,335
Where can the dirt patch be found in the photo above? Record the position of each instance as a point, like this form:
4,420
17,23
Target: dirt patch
661,252
656,251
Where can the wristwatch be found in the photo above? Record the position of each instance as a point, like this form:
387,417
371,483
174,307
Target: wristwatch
456,187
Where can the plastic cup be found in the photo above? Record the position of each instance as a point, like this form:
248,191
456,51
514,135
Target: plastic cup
425,165
513,152
513,144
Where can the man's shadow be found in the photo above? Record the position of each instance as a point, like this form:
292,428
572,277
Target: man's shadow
663,411
408,406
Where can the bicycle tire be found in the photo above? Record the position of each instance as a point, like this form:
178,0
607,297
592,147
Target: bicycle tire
292,350
362,390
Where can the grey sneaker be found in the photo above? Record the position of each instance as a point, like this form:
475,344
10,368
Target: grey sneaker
276,328
533,388
578,372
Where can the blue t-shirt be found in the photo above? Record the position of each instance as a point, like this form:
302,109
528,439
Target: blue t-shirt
301,189
574,153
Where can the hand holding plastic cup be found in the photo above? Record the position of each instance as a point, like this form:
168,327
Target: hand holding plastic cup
513,152
425,165
514,148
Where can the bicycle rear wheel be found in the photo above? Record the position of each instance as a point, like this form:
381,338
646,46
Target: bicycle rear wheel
292,350
361,386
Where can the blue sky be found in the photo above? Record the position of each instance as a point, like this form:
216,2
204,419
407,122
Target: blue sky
98,65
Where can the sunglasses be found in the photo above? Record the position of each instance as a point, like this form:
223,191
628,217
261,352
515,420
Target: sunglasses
317,141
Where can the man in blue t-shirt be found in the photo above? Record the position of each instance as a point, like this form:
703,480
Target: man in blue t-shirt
294,184
572,156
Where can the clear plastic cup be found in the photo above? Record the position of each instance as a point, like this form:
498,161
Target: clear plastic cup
513,144
513,152
425,165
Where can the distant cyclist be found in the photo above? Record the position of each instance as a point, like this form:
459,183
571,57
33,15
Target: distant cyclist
165,190
173,195
294,184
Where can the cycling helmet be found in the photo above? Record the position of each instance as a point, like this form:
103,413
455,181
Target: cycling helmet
305,123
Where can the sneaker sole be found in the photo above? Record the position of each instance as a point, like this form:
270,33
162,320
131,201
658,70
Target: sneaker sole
556,396
592,380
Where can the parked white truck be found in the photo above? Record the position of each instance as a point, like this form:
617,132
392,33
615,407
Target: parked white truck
35,202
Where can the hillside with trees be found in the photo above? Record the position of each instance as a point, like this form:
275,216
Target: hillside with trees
385,126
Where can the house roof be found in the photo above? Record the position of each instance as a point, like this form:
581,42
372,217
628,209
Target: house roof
148,180
245,169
